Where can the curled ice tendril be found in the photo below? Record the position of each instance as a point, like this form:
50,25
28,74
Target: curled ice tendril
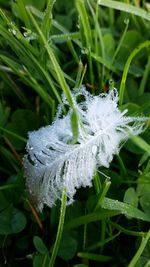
53,162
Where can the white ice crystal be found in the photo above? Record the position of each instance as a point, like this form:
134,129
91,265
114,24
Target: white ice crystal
54,163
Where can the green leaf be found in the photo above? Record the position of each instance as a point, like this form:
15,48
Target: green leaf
126,68
142,262
125,209
39,245
38,260
145,203
131,40
57,68
94,257
47,19
22,121
126,8
132,147
91,217
17,12
141,143
84,18
68,247
144,101
131,107
109,44
11,221
130,197
41,260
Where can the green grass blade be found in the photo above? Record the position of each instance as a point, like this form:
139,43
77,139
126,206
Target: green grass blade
59,75
124,208
126,68
144,78
60,229
30,81
13,134
85,22
120,41
92,217
141,143
8,186
47,19
86,32
140,250
98,40
94,257
54,61
104,62
8,156
102,243
126,8
103,194
13,86
23,13
21,48
126,231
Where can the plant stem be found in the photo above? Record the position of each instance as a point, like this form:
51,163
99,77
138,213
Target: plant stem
102,194
126,68
140,250
60,229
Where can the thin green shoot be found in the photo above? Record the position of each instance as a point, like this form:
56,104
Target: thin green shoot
103,194
144,78
120,41
126,68
60,229
140,249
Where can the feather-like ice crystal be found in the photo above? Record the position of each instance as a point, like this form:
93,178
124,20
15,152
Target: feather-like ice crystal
53,162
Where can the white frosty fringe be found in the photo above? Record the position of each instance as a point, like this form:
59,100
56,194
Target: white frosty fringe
53,163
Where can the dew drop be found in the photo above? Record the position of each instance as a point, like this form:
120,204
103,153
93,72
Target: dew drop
84,51
13,31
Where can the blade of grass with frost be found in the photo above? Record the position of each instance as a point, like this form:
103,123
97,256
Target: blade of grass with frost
53,59
54,163
23,13
126,8
47,19
60,77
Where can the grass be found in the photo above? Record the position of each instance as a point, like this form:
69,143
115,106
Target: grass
51,47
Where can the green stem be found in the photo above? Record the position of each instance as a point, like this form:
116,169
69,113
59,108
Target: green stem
9,186
122,167
140,250
59,73
23,13
60,77
126,231
102,194
126,68
97,184
144,79
120,41
60,229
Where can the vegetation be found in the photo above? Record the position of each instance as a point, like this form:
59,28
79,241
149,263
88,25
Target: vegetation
46,48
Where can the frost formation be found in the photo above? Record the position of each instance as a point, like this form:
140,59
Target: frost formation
53,162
